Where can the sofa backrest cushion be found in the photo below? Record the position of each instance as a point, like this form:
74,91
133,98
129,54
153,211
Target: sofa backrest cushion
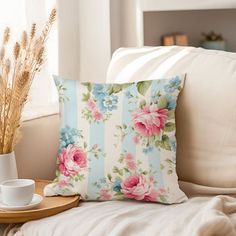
206,111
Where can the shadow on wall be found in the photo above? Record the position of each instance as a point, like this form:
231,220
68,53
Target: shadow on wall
37,150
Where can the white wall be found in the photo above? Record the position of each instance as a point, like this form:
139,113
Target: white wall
90,31
95,39
68,30
84,39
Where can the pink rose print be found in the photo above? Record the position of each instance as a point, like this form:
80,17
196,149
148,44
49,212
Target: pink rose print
105,195
63,182
152,196
162,190
149,121
136,139
91,104
130,161
139,187
129,157
131,165
97,115
72,160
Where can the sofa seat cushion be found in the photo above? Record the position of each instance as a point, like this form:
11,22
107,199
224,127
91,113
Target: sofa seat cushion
206,111
198,216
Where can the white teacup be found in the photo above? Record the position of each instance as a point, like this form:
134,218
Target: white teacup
17,192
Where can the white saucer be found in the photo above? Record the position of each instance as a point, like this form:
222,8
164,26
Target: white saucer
37,199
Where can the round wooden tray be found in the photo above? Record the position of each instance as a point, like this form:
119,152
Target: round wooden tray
48,207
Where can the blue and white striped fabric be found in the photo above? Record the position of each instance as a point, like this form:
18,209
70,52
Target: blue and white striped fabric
117,141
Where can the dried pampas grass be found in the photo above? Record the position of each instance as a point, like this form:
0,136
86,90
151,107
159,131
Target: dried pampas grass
16,76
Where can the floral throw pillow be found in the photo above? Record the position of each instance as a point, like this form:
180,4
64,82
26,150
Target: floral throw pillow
117,141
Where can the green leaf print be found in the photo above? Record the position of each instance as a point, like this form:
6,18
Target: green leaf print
116,170
163,199
142,103
58,173
162,102
145,172
119,196
109,177
169,127
171,114
121,159
61,91
86,97
88,85
79,177
126,170
165,138
143,87
116,88
164,143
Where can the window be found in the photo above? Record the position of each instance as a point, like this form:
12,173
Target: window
19,15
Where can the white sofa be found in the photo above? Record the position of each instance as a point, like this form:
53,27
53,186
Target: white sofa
206,152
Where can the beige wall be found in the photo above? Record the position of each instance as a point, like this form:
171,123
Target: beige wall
125,24
37,150
115,24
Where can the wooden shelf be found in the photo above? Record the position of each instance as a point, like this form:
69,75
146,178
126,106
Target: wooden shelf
192,23
175,5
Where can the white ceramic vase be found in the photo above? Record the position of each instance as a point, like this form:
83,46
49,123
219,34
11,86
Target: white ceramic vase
8,169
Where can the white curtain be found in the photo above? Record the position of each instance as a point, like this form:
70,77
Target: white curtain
19,15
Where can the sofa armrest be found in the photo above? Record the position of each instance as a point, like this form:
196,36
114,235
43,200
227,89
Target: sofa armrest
37,150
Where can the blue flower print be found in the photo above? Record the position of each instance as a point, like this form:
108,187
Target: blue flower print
99,91
173,85
154,98
173,145
103,180
148,149
57,81
171,102
108,103
128,94
116,186
68,136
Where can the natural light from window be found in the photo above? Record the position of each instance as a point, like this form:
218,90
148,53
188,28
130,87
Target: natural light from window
19,15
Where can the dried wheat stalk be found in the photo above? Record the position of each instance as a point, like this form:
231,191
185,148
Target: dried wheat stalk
16,76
